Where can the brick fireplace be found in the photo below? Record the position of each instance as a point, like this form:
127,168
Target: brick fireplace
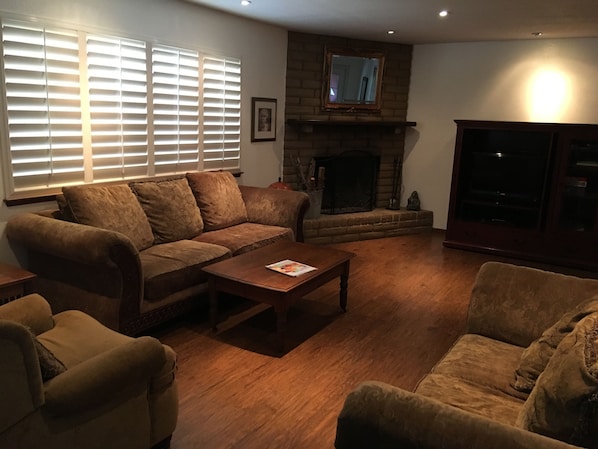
315,133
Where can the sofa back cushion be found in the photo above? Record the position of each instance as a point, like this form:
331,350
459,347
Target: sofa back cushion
170,208
113,207
219,199
536,356
564,402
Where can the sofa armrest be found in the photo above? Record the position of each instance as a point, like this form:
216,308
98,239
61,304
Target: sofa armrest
515,304
276,207
378,415
67,240
77,264
115,374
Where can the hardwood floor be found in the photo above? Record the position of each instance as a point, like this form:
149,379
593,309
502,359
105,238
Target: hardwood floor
407,303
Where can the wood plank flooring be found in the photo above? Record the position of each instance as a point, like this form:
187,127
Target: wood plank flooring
407,303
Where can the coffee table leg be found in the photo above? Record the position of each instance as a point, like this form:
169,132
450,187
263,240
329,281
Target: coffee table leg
213,304
281,327
343,285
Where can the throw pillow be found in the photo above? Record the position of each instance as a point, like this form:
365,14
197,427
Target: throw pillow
538,353
564,402
113,207
170,208
219,199
50,366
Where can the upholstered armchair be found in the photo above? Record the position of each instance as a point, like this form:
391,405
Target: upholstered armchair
67,381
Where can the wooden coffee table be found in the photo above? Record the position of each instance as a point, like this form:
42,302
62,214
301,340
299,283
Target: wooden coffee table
246,275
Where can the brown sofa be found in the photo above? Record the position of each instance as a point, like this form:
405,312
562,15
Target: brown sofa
69,382
131,255
525,374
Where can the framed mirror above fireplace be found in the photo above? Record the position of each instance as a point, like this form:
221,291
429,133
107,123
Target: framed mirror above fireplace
352,80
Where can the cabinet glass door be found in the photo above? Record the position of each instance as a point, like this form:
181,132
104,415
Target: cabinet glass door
579,192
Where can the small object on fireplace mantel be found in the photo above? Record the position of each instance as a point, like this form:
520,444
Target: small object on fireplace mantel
413,202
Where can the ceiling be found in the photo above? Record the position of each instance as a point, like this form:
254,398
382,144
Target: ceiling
417,21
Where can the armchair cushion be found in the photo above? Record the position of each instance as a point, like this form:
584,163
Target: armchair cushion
564,402
219,199
536,356
113,207
170,208
105,376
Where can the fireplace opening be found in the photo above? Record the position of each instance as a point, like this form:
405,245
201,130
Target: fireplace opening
350,182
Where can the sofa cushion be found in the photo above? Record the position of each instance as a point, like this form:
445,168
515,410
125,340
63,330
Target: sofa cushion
170,208
483,361
114,208
564,401
538,353
245,237
171,267
219,199
471,397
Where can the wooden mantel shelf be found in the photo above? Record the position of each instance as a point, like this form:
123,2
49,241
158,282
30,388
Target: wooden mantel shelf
307,125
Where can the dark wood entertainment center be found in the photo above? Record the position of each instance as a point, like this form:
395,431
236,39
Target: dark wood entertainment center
526,190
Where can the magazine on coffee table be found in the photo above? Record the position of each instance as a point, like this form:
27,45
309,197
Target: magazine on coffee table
291,267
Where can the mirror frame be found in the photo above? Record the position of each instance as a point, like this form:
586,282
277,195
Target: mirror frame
349,107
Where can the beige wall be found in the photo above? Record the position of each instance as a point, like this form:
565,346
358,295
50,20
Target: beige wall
262,49
532,80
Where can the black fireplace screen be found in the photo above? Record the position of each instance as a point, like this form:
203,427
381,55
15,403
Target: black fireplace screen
350,182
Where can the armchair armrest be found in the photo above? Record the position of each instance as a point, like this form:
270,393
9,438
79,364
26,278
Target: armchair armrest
515,304
31,311
20,376
276,207
103,378
379,416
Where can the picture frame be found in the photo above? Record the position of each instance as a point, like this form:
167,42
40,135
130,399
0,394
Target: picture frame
263,119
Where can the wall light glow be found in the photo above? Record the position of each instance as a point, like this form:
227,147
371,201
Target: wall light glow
549,92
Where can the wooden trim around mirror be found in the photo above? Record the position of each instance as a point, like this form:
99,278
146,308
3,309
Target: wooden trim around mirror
352,90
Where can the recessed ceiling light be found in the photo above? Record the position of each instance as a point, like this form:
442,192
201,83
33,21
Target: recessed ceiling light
537,33
443,13
245,2
390,32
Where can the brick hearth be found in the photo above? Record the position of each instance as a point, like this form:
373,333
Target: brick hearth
366,225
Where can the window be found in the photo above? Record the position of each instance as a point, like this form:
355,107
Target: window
84,108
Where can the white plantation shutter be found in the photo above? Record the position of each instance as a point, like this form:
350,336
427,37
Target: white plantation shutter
83,108
175,92
41,77
221,113
117,74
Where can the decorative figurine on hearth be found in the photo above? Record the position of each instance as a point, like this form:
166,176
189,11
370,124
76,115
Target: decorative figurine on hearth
413,201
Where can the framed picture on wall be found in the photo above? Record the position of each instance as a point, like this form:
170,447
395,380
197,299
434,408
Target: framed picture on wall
263,119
